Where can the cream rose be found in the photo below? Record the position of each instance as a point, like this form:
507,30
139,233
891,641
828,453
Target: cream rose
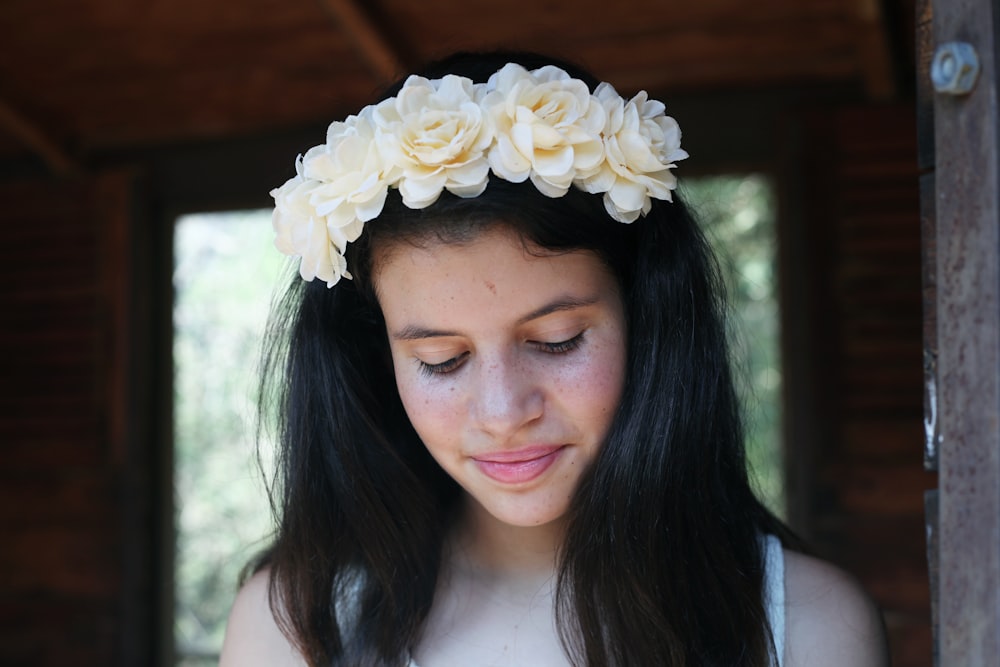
339,186
301,233
548,127
436,134
641,146
353,176
449,133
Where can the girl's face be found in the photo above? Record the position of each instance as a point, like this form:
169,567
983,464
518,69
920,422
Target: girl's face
510,365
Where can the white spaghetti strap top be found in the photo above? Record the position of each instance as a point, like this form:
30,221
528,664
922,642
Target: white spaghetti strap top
774,595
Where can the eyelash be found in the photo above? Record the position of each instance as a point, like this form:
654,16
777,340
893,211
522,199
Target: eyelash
451,365
562,347
444,367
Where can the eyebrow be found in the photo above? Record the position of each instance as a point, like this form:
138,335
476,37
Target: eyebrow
415,332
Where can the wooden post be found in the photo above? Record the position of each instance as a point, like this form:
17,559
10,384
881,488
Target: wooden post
966,183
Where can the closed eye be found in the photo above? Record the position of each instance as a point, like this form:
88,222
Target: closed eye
451,365
444,367
562,347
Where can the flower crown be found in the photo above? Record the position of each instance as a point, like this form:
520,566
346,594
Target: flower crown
450,133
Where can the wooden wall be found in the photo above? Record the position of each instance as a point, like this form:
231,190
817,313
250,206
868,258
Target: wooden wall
69,506
856,450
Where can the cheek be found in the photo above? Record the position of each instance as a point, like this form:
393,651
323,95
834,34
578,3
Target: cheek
433,407
592,390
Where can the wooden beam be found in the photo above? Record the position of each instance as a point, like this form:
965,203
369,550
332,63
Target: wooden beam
874,53
967,208
35,139
375,48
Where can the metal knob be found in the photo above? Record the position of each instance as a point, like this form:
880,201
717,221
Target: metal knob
955,68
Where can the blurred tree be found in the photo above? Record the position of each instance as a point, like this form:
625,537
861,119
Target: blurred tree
225,271
738,214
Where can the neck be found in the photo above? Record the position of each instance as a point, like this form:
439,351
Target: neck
525,552
495,595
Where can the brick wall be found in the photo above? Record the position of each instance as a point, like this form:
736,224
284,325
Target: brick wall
861,500
63,455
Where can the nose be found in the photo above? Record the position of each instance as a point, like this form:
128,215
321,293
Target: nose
507,397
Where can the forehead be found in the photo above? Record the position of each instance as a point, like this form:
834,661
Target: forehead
493,269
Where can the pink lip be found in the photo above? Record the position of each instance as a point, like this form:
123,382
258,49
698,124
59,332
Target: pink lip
522,465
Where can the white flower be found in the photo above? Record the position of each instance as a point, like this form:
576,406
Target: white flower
641,146
449,133
547,127
354,178
435,132
302,233
340,185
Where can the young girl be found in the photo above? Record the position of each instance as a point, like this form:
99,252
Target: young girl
508,428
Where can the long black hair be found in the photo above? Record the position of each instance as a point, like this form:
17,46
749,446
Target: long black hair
662,561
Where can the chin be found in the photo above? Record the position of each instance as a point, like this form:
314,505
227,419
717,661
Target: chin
518,517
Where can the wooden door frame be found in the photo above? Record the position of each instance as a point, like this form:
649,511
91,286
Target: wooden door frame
961,213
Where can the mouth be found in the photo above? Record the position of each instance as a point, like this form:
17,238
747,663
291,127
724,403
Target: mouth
519,466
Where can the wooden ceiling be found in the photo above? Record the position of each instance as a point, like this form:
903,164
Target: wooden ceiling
80,78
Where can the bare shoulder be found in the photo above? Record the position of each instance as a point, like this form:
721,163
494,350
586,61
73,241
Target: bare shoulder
252,634
830,619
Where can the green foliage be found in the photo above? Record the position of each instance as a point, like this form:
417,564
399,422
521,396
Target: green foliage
738,213
226,269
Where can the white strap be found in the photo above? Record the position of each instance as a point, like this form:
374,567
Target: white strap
774,593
